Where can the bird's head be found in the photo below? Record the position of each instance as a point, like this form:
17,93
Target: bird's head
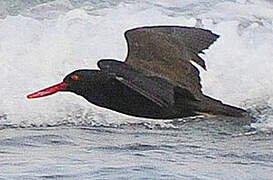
78,82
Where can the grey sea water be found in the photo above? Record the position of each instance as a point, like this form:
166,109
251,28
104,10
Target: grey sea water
65,137
201,149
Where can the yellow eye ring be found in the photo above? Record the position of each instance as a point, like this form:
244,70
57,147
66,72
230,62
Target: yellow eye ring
75,77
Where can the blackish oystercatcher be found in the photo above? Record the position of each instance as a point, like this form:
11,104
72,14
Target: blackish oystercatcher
157,79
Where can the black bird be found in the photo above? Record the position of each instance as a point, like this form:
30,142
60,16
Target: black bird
157,79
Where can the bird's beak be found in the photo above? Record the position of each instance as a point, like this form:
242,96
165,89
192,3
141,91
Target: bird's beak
48,91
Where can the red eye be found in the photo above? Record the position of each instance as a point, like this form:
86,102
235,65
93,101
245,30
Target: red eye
75,77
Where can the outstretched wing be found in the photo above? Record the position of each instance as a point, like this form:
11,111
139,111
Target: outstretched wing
166,51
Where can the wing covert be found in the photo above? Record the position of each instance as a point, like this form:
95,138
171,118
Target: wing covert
157,91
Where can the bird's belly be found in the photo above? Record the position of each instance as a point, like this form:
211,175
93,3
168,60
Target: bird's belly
131,103
135,106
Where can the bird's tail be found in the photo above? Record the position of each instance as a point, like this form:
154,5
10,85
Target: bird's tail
212,106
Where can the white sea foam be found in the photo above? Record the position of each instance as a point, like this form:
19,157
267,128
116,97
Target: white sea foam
43,43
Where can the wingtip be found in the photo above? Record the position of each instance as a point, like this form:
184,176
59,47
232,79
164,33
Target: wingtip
216,36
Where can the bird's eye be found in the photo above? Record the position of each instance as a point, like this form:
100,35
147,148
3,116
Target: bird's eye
75,77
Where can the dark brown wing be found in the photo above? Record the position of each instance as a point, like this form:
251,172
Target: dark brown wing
166,51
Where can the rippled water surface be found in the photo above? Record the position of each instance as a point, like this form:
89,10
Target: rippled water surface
65,137
196,150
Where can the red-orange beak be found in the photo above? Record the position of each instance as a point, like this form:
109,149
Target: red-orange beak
48,91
